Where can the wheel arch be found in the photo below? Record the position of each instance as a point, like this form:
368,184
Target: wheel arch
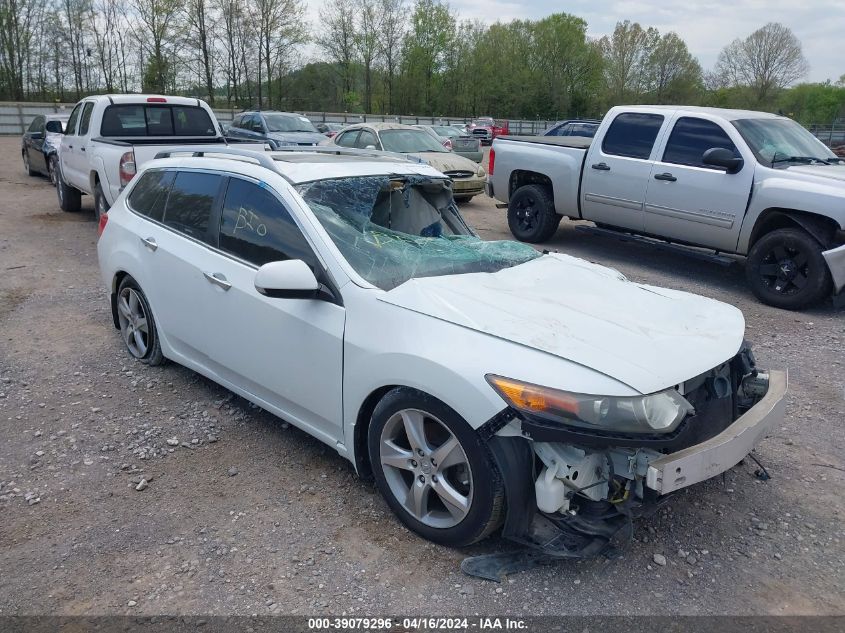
822,228
362,425
118,278
521,177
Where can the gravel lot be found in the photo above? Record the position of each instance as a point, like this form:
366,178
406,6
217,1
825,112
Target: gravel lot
130,490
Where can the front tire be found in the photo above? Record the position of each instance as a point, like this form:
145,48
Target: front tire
786,269
531,214
433,470
70,199
137,325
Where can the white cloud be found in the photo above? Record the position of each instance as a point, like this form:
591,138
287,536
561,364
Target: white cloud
706,25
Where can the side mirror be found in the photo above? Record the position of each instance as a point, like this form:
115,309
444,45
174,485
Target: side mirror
721,157
289,279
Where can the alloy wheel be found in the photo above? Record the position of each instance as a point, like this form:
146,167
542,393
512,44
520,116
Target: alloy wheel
134,322
526,214
784,269
426,468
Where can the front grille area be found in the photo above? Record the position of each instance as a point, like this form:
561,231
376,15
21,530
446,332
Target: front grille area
459,173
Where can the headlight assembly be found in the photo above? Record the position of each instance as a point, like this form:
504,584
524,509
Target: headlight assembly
660,412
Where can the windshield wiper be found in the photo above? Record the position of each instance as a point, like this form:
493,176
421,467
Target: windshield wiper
799,159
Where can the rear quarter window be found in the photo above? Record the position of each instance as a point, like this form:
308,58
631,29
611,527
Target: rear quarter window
149,195
632,134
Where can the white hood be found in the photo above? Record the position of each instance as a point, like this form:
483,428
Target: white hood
646,337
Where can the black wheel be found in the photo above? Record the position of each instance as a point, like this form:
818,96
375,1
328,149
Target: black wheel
785,269
462,199
27,167
531,214
433,470
137,326
70,199
52,166
101,205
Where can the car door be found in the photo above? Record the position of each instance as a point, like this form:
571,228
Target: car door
75,166
174,251
617,171
69,144
693,202
286,352
367,140
35,144
348,138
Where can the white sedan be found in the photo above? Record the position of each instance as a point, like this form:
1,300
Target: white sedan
481,383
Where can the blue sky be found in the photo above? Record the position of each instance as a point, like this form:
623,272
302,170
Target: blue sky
706,25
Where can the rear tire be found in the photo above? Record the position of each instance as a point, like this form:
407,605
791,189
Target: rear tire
101,206
437,477
70,199
137,325
786,269
27,167
531,214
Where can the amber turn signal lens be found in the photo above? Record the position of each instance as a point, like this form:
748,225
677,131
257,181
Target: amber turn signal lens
532,397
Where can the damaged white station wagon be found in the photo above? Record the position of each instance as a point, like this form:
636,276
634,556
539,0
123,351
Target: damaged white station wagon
483,384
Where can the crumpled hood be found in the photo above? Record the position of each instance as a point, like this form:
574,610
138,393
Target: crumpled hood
297,137
828,172
448,161
646,337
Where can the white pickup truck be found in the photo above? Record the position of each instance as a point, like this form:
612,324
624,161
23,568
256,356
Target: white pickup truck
108,137
734,181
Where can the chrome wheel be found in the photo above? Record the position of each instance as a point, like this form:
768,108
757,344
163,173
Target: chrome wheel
426,468
134,323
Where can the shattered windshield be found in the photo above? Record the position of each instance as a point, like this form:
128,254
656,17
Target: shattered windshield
394,228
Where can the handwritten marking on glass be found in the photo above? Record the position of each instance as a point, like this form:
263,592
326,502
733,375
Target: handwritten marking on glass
249,220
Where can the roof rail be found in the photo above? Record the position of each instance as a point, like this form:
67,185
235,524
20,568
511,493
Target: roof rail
347,151
259,157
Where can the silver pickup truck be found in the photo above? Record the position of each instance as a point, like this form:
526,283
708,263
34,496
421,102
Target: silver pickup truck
734,181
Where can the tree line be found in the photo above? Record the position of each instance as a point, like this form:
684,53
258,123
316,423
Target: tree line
387,56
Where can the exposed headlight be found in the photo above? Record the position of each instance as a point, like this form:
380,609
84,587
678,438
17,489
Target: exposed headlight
655,413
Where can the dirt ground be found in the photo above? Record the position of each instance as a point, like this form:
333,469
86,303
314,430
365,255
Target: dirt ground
244,514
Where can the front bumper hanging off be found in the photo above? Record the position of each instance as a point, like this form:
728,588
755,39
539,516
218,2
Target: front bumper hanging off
603,529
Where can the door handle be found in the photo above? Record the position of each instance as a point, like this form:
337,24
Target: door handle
149,242
70,146
601,166
82,149
667,176
218,279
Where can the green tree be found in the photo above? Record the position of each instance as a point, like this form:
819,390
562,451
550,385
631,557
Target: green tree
673,74
426,46
626,53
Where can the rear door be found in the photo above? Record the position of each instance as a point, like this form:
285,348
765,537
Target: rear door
287,352
617,171
690,201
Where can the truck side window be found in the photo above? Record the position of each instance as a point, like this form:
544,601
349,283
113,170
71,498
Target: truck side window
150,193
70,130
190,203
632,134
257,228
85,121
692,137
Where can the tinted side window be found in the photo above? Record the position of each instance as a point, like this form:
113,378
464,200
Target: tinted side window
257,228
692,137
150,194
85,121
632,134
366,139
190,203
347,139
71,122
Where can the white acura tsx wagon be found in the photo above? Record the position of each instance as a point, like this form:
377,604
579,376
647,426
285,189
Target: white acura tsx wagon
482,384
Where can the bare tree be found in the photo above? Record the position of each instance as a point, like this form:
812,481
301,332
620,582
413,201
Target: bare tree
154,34
200,23
392,29
673,73
338,39
768,59
367,43
17,18
280,28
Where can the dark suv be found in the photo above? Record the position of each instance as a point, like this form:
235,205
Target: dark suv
279,129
